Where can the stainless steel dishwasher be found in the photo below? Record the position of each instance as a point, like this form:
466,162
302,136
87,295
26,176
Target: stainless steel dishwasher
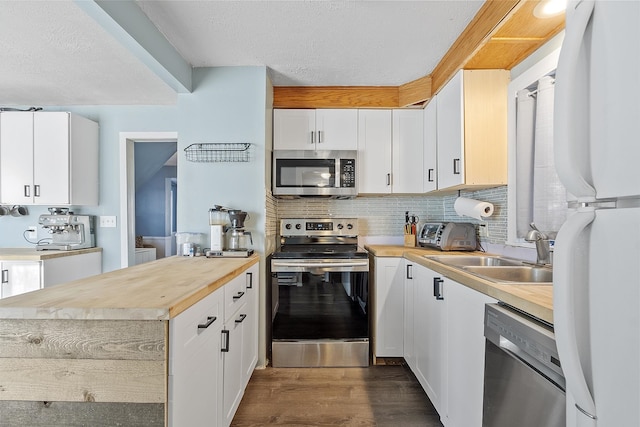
523,381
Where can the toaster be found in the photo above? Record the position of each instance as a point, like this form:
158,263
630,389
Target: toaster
448,236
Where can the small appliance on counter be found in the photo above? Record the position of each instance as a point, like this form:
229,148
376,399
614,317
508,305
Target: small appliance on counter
68,230
218,219
448,236
234,237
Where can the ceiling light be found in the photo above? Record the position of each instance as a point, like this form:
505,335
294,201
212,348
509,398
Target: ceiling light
549,8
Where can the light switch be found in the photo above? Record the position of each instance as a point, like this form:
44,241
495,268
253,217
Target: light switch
108,221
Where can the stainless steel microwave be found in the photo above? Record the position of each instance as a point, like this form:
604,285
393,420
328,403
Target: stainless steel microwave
312,173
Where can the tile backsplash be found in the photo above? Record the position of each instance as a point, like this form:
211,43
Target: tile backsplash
384,215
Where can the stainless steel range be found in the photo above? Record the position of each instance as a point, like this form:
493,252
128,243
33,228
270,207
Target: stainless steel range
320,280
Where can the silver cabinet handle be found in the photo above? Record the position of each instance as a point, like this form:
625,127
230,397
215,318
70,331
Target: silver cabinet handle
241,318
313,137
225,345
409,271
5,276
388,179
27,191
456,166
238,295
320,137
430,175
36,191
209,322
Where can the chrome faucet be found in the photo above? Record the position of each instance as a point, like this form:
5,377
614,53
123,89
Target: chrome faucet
542,244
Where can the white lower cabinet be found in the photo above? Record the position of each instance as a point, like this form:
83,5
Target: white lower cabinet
464,335
213,349
447,352
195,363
389,274
428,321
20,276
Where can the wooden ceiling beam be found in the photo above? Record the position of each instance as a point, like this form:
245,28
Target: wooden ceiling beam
490,15
500,36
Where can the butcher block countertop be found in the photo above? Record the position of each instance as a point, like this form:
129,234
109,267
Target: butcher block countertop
157,290
31,254
536,300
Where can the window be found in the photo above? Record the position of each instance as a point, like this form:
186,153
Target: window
535,192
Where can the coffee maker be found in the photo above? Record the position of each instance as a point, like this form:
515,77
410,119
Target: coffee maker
68,231
228,236
236,236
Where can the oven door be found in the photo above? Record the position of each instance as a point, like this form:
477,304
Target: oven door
321,317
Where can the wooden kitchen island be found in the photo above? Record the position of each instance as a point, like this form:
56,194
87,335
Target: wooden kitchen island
96,351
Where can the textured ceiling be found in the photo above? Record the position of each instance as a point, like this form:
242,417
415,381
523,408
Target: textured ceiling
316,43
55,54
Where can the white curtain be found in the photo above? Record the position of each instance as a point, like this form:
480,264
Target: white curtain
541,197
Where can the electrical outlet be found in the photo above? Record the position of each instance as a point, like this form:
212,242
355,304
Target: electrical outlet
483,230
108,221
32,232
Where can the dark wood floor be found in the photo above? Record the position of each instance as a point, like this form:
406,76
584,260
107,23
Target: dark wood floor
382,396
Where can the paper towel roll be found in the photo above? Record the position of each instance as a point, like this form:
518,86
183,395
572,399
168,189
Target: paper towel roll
474,208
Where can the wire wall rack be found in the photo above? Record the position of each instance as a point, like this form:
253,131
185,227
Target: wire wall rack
218,152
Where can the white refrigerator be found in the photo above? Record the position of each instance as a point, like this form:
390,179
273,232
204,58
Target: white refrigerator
597,250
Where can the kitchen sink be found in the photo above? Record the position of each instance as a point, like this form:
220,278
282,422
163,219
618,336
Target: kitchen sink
513,274
474,260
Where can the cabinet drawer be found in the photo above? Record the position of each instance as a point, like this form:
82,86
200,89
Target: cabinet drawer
235,294
191,328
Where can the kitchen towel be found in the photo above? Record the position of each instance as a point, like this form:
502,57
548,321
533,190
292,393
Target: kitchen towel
474,208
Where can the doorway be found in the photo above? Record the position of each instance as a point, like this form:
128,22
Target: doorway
129,182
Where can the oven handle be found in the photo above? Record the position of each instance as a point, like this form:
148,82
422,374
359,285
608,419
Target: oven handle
320,264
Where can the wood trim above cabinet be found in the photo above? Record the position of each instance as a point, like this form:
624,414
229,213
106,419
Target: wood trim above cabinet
335,97
500,36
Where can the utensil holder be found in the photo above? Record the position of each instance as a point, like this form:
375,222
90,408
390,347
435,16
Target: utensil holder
410,240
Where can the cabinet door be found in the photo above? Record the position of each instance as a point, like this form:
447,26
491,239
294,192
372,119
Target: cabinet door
19,277
429,317
465,354
430,181
250,337
233,338
450,131
337,129
195,364
389,303
408,141
294,129
16,158
374,151
51,158
409,313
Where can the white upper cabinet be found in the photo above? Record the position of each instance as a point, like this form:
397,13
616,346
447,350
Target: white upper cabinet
430,181
472,130
48,158
390,144
330,129
374,151
408,141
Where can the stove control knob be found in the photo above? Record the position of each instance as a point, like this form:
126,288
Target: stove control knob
298,226
287,226
349,226
340,226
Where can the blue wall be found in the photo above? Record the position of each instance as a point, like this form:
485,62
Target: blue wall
227,105
150,204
